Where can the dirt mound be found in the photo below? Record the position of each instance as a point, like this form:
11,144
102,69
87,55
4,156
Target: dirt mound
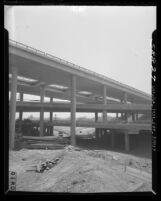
79,171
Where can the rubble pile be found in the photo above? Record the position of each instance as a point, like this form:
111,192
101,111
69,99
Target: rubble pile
44,166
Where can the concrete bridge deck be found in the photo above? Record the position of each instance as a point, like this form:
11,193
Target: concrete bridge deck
108,125
32,71
65,107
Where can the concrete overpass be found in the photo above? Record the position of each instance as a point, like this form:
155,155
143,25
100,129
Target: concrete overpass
35,72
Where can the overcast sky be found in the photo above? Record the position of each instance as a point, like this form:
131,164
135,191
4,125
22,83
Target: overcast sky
113,41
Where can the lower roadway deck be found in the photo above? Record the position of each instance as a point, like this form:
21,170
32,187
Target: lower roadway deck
108,125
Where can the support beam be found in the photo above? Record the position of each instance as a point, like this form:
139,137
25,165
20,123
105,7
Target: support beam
127,144
65,107
73,110
42,90
38,84
104,102
13,108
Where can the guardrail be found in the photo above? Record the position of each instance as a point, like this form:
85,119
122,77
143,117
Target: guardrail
74,66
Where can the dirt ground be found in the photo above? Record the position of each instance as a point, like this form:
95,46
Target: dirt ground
82,171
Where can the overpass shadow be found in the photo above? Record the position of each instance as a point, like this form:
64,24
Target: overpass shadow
140,145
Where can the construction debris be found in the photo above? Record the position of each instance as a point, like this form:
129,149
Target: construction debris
139,173
71,148
43,166
136,187
44,146
44,142
114,158
75,171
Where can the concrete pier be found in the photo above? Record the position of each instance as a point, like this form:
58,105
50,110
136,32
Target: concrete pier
42,112
73,110
13,108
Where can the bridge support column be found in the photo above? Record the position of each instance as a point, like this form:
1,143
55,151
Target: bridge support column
96,116
96,129
99,133
122,114
104,102
52,131
117,115
133,114
13,108
133,117
42,91
102,132
49,130
73,110
21,111
127,144
51,113
125,101
51,118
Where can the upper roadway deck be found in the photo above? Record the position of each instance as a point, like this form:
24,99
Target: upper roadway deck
43,69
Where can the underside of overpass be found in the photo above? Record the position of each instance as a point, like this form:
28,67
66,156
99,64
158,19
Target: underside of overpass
37,73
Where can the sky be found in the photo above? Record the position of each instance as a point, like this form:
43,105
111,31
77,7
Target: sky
111,40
